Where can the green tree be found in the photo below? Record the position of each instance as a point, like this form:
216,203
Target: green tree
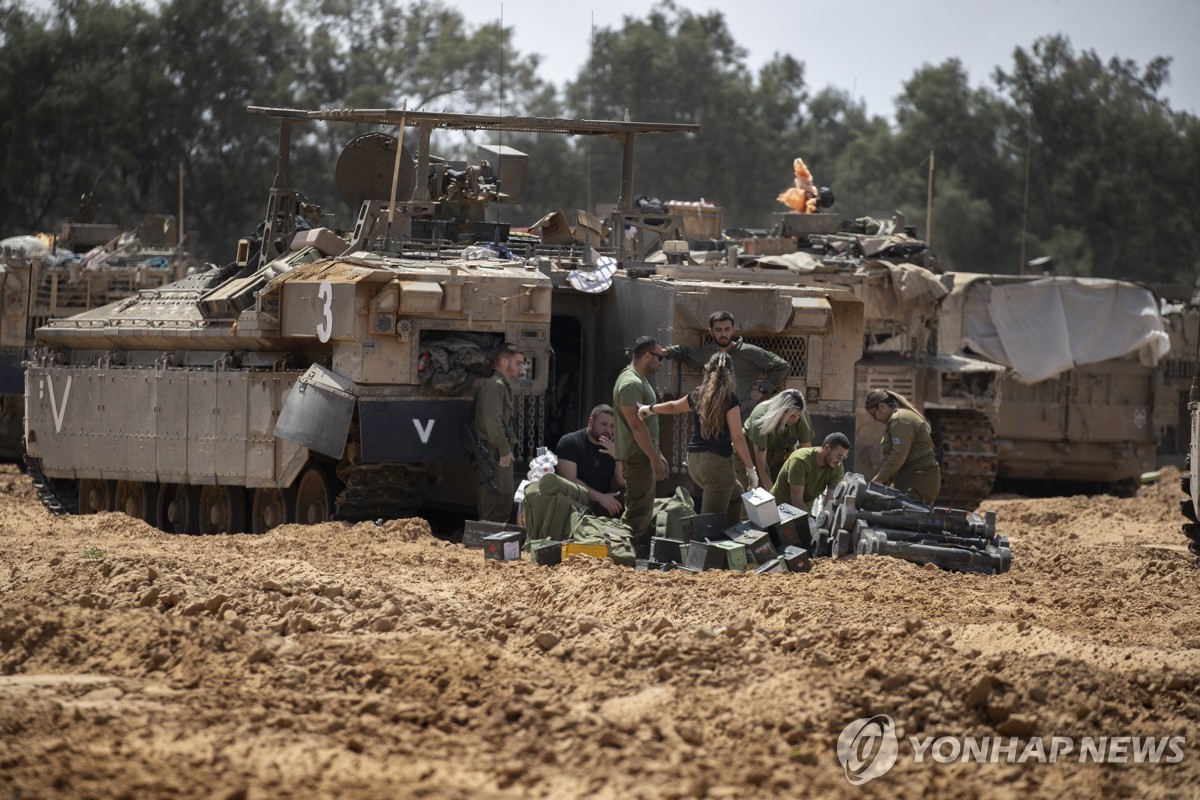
673,66
1106,196
977,180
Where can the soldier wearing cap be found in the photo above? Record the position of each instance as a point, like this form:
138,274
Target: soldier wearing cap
908,460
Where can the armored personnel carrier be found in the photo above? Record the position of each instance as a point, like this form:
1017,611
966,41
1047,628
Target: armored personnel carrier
1081,406
324,377
896,276
85,266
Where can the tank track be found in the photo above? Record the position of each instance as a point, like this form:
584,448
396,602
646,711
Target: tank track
380,491
965,442
58,496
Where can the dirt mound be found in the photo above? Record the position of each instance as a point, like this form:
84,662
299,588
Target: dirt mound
360,661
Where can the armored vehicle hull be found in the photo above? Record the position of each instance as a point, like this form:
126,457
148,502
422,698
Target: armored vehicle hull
1093,425
87,266
897,279
322,377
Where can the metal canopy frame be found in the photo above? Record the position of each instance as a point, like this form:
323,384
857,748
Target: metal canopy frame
282,203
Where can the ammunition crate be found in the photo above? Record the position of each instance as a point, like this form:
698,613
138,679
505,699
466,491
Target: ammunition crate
668,551
758,546
577,549
797,559
705,555
703,527
794,528
475,530
735,555
545,552
761,507
504,546
777,564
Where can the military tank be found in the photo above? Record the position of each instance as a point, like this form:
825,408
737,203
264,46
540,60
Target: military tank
84,266
1081,409
315,376
898,279
322,376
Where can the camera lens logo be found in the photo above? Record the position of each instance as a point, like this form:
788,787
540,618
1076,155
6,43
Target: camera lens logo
868,748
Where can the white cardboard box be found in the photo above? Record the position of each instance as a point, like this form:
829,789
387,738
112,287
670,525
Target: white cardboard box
761,507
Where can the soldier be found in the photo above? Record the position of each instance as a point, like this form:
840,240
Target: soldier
493,426
637,440
716,435
748,361
776,428
908,460
810,471
586,457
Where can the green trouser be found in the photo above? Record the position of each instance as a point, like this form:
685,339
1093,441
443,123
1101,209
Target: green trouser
714,474
640,486
923,483
497,506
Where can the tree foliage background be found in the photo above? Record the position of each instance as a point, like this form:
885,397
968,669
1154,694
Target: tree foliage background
1062,155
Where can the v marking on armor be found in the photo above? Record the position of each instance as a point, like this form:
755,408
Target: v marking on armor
59,413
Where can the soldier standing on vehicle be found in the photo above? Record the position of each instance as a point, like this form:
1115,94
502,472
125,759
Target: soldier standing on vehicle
908,461
810,471
493,426
748,361
637,440
586,457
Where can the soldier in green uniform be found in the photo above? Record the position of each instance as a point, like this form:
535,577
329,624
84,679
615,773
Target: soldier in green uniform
809,471
748,361
908,461
775,428
493,426
637,440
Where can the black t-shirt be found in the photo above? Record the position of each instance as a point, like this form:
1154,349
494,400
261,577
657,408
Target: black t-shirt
593,466
723,444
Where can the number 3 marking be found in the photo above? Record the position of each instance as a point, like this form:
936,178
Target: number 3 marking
325,326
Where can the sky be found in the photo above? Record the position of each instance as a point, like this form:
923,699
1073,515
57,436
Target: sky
869,49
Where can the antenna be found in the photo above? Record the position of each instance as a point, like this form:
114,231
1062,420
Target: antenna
500,158
396,171
502,64
591,107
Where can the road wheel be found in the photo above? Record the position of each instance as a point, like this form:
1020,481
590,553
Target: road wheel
270,508
314,496
95,496
178,508
136,499
222,509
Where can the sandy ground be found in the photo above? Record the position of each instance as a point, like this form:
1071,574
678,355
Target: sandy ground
342,661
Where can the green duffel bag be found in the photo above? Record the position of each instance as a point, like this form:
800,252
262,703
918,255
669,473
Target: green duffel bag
549,503
587,528
669,513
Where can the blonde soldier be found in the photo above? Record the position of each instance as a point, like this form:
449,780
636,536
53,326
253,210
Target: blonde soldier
908,460
775,428
493,426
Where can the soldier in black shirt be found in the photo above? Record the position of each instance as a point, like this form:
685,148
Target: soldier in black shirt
586,457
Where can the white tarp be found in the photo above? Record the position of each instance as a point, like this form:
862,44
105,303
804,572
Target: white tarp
1045,327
